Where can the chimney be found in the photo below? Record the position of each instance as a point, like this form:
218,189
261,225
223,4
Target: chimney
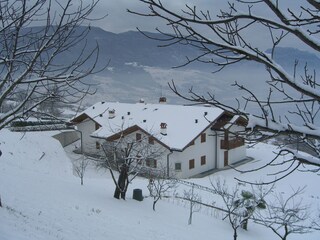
196,120
141,100
112,113
162,100
163,128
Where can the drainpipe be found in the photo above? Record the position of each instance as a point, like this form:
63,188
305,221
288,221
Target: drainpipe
81,147
216,151
168,168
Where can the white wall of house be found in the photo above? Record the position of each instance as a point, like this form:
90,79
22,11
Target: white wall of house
154,151
87,127
235,154
194,153
240,153
210,149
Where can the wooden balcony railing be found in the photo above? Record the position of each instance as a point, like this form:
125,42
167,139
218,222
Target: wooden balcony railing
231,144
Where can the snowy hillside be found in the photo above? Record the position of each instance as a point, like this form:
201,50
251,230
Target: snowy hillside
42,199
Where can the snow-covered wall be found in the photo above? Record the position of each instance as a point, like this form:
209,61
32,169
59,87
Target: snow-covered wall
67,137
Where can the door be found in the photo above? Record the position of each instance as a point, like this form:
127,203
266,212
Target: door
226,158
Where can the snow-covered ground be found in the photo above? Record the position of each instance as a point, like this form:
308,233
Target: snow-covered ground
42,199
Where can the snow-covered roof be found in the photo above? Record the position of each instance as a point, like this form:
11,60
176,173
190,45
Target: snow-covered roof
184,123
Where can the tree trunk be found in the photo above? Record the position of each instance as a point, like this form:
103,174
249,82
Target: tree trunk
190,214
155,200
154,206
244,224
121,189
235,235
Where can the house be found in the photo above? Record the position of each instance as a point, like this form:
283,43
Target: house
194,139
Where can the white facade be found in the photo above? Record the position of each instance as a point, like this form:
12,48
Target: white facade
86,128
204,149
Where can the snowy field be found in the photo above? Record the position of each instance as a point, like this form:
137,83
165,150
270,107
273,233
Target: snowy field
42,199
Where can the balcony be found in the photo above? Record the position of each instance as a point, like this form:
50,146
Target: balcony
231,144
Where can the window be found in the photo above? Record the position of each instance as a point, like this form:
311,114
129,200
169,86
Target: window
177,166
138,136
191,164
97,145
97,126
203,137
203,160
151,140
152,163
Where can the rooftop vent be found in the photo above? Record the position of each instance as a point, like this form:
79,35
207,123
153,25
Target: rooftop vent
144,120
112,113
162,100
128,113
102,102
93,107
163,128
141,100
205,113
100,115
196,120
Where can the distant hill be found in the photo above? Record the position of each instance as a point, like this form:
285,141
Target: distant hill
287,56
133,47
139,68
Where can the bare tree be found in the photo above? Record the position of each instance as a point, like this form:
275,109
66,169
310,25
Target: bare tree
130,157
287,215
194,202
224,38
160,185
80,166
35,37
32,70
52,105
240,205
